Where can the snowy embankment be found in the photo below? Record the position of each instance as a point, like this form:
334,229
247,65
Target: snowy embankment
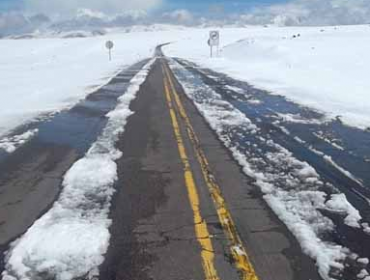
69,241
325,68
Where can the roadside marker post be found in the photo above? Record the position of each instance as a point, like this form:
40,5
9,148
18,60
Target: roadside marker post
109,45
214,40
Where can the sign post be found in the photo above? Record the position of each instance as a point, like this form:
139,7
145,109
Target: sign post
214,41
109,45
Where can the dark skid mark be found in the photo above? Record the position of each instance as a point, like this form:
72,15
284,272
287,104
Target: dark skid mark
353,158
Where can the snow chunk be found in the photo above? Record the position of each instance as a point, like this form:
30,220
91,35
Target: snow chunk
364,261
296,118
339,203
12,143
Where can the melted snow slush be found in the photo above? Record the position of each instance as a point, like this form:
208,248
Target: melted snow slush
312,170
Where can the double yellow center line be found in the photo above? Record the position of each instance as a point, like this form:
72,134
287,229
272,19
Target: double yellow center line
237,250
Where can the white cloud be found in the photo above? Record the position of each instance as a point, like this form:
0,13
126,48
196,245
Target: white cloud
313,12
71,6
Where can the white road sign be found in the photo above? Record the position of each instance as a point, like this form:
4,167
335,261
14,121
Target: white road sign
214,38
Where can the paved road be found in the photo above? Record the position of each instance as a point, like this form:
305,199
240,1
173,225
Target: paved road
184,210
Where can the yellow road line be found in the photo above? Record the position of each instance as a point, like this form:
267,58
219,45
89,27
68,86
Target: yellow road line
201,229
237,249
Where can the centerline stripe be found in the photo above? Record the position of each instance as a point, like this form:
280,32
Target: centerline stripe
201,229
238,252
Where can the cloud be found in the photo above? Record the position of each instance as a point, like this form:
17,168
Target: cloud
72,6
17,23
312,12
10,22
179,16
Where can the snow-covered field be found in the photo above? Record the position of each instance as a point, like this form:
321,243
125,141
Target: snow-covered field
41,76
325,68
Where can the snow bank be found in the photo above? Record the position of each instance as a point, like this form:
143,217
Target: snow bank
324,68
69,241
292,188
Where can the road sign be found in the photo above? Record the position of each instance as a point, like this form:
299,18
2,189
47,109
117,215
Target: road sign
214,40
109,45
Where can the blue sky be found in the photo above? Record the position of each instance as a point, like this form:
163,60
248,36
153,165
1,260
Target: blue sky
9,4
229,6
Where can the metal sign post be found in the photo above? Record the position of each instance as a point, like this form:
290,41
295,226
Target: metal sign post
214,41
109,45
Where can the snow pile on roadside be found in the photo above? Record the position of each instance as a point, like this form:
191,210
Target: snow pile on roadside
69,241
292,188
321,67
11,144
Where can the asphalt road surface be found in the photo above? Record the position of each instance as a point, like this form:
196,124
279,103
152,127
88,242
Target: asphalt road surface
183,208
165,225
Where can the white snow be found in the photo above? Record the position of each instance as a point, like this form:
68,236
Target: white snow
69,241
339,203
364,261
296,118
329,141
11,143
324,70
41,76
330,160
